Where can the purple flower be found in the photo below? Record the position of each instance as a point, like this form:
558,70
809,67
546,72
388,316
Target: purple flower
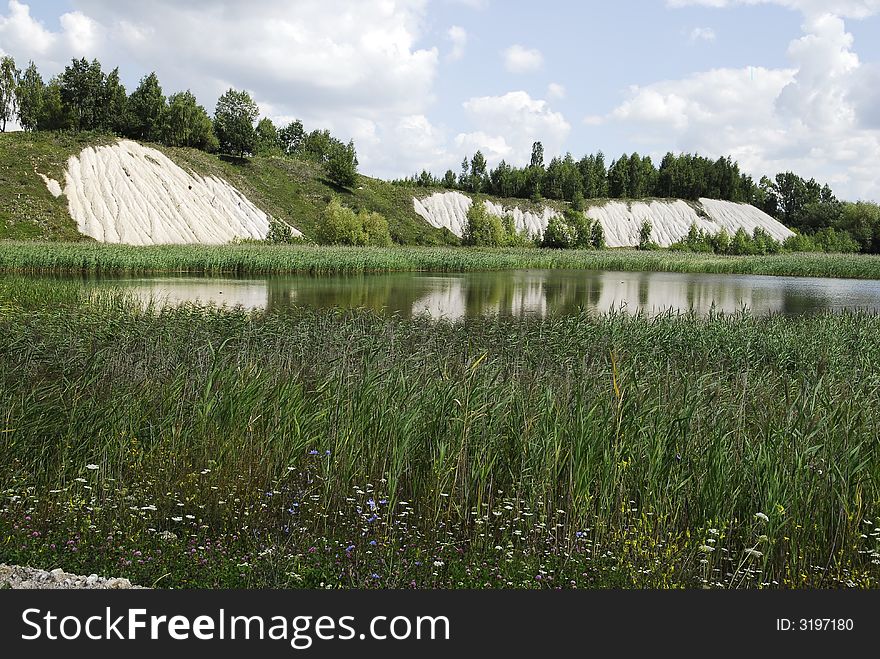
373,543
371,504
313,452
349,549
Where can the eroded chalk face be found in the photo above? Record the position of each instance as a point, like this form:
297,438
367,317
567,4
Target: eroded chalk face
621,220
132,194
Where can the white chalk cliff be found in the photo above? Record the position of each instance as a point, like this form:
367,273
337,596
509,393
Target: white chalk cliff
671,220
132,194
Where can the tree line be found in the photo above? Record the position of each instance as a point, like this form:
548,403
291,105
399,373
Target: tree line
86,98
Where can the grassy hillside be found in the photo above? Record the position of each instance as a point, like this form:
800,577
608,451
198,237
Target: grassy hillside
28,211
291,190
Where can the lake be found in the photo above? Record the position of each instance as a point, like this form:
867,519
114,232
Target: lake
515,293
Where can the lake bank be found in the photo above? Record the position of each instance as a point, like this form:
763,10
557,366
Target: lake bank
95,258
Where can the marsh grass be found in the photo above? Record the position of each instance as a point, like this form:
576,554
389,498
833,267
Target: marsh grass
94,258
197,446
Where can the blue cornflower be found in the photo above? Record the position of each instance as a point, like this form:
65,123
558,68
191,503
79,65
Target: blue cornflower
313,452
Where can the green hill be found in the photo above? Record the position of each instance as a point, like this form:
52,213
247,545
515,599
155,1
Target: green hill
292,190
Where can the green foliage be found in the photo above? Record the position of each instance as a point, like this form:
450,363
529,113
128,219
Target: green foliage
645,232
82,93
342,164
342,226
8,85
573,230
96,258
582,227
234,119
186,123
291,137
267,140
559,234
375,228
54,115
146,107
29,97
113,115
484,229
280,233
862,221
597,236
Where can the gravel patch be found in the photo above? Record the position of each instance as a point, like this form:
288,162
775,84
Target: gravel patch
19,577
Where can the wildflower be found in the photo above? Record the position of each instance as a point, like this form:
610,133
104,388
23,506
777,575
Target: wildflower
327,452
762,517
80,480
754,552
92,467
375,576
438,563
371,504
707,548
349,549
177,519
313,452
373,543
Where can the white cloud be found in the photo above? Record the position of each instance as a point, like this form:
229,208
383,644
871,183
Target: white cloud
507,125
458,36
357,67
703,34
519,59
471,4
844,8
20,32
815,118
556,91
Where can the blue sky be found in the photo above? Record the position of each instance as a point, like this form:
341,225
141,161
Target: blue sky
777,84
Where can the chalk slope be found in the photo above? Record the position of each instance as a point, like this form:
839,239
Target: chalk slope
671,219
132,194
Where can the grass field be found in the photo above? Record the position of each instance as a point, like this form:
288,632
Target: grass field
95,258
196,446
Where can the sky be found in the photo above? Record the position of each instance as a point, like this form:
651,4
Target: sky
776,84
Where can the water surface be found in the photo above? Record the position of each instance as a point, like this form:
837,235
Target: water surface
516,292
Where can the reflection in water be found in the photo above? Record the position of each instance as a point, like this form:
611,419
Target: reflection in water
519,293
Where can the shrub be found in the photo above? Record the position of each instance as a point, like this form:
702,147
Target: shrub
280,233
483,228
559,234
340,225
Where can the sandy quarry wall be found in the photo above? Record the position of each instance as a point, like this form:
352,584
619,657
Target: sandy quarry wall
671,220
132,194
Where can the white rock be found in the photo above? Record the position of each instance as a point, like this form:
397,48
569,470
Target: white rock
53,185
622,220
132,194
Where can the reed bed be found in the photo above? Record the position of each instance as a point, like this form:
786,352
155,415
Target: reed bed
95,258
198,446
